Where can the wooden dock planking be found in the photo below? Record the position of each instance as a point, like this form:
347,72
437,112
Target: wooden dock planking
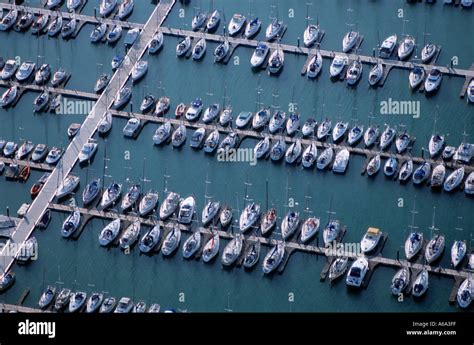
52,90
35,166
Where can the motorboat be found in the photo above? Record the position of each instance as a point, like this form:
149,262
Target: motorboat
373,166
422,173
324,129
39,153
179,136
148,203
139,70
325,158
41,101
355,134
98,33
338,267
156,43
354,72
311,35
130,198
171,241
375,74
43,74
433,81
125,9
9,96
211,248
261,118
226,116
88,151
226,216
466,3
110,232
274,29
55,26
273,258
341,161
59,77
309,127
465,292
124,306
310,154
309,228
154,308
9,20
194,110
249,216
102,82
68,186
73,5
169,205
130,235
400,281
289,224
211,113
236,24
371,135
470,92
416,77
105,124
55,104
9,69
54,155
25,71
116,61
464,153
331,232
132,127
277,121
252,255
402,141
230,142
212,141
276,61
111,195
278,150
434,248
469,184
406,47
268,221
458,252
293,152
69,28
162,106
180,110
221,51
199,20
388,135
252,28
186,210
436,144
337,65
413,244
357,272
388,46
183,46
213,22
438,176
293,123
339,131
123,97
192,245
210,211
9,149
24,150
350,40
454,180
259,55
421,283
77,301
428,52
370,240
27,250
94,302
107,7
162,133
63,299
47,297
233,250
71,224
91,192
199,49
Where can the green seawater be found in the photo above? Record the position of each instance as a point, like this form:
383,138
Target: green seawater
359,202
